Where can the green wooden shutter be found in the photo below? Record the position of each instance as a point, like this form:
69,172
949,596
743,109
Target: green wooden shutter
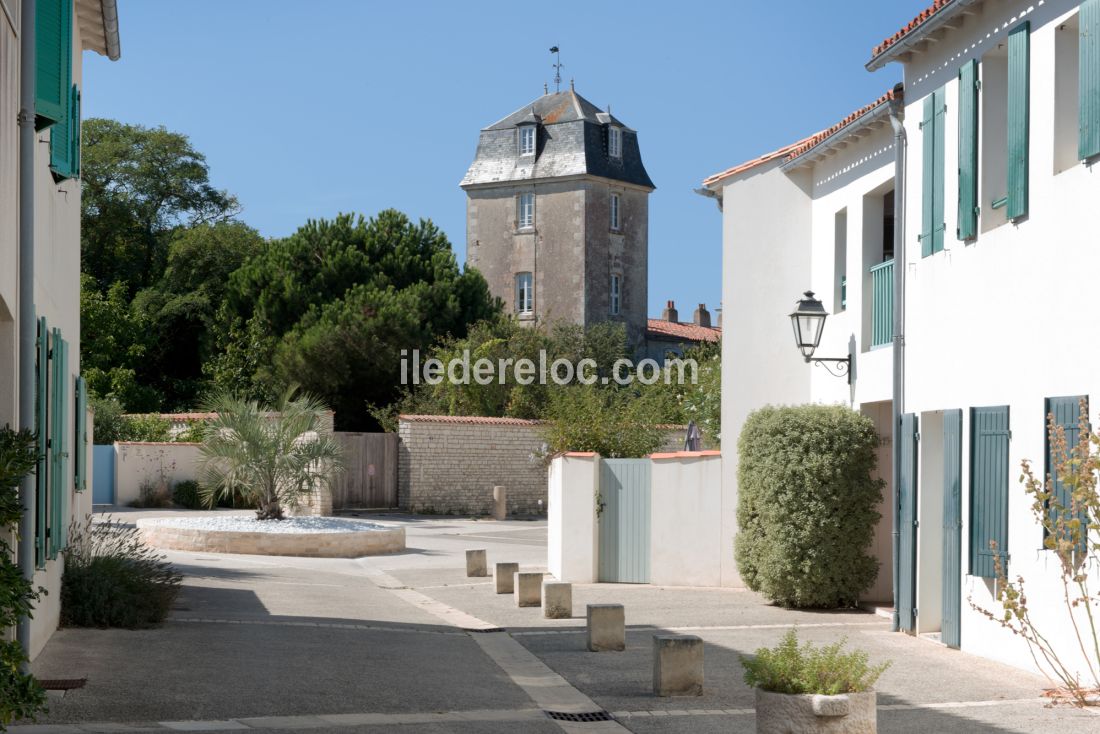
1088,144
42,431
907,522
58,421
932,224
1067,412
951,606
1019,64
53,29
61,145
989,435
928,174
74,133
80,436
968,150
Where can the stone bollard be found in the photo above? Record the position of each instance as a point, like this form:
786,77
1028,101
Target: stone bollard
500,503
475,563
528,589
677,665
504,576
557,600
606,629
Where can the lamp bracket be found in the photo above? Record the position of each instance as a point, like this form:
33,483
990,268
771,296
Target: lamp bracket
843,366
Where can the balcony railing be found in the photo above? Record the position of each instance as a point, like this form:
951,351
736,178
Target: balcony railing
882,303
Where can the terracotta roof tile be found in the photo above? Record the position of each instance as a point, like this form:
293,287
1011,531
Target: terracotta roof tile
792,151
470,420
660,328
911,26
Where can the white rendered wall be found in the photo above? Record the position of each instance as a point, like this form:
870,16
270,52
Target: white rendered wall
138,463
691,521
1006,319
572,528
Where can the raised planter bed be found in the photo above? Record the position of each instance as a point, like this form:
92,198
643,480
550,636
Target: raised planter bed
319,537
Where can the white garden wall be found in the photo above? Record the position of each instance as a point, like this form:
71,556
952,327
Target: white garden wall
693,521
139,462
572,533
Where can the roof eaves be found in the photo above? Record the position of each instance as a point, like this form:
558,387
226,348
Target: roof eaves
827,139
934,17
750,164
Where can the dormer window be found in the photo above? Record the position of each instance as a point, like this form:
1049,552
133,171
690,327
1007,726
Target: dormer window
615,142
527,140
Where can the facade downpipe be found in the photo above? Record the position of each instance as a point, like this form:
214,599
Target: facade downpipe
897,113
27,322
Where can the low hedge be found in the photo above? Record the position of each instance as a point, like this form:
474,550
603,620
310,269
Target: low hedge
806,507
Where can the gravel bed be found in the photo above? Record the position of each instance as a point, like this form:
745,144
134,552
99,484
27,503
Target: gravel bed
245,524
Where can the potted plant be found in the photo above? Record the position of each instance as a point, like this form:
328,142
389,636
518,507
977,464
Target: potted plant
805,689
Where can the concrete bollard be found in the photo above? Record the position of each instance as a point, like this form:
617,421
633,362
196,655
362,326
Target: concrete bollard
677,665
500,503
557,600
606,629
504,577
475,563
528,589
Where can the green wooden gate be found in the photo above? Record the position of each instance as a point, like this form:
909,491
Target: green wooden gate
907,524
624,520
952,527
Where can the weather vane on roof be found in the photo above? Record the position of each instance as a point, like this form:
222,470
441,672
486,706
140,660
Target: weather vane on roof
557,68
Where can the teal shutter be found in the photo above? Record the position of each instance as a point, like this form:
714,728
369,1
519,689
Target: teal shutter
968,150
907,523
74,133
61,146
1067,412
42,432
80,436
989,435
53,29
1088,144
932,224
952,528
1019,64
59,446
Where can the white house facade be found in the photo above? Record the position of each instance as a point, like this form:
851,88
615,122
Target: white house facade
50,199
1001,120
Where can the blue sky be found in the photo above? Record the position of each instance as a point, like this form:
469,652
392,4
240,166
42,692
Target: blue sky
305,110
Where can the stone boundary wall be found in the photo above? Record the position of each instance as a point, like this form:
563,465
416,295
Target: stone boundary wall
450,464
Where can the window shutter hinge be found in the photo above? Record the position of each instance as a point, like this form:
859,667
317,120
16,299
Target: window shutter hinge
916,436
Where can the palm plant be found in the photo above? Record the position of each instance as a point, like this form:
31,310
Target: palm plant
271,456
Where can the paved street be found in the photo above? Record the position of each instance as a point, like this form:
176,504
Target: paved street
380,644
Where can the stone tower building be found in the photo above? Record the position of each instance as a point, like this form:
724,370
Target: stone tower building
557,215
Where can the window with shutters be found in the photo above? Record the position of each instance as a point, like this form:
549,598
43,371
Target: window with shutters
65,141
53,53
616,293
527,140
614,142
1066,414
525,293
989,439
1067,107
932,142
525,210
615,203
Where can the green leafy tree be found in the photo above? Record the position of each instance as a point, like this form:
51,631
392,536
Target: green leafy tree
271,456
332,306
138,186
20,695
613,422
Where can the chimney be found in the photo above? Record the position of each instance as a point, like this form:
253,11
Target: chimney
669,314
702,315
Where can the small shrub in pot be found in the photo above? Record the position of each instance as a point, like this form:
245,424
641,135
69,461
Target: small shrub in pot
803,689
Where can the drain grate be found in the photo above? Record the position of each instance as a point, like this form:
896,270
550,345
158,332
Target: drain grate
583,717
483,629
62,684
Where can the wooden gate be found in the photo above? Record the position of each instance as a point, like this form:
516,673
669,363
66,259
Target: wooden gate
371,477
624,520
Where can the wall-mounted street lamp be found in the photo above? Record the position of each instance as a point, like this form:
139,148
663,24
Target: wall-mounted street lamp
808,321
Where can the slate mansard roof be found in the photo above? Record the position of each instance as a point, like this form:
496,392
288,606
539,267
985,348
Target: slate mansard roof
571,141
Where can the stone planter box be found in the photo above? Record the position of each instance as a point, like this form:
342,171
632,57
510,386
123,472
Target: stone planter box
848,713
317,545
